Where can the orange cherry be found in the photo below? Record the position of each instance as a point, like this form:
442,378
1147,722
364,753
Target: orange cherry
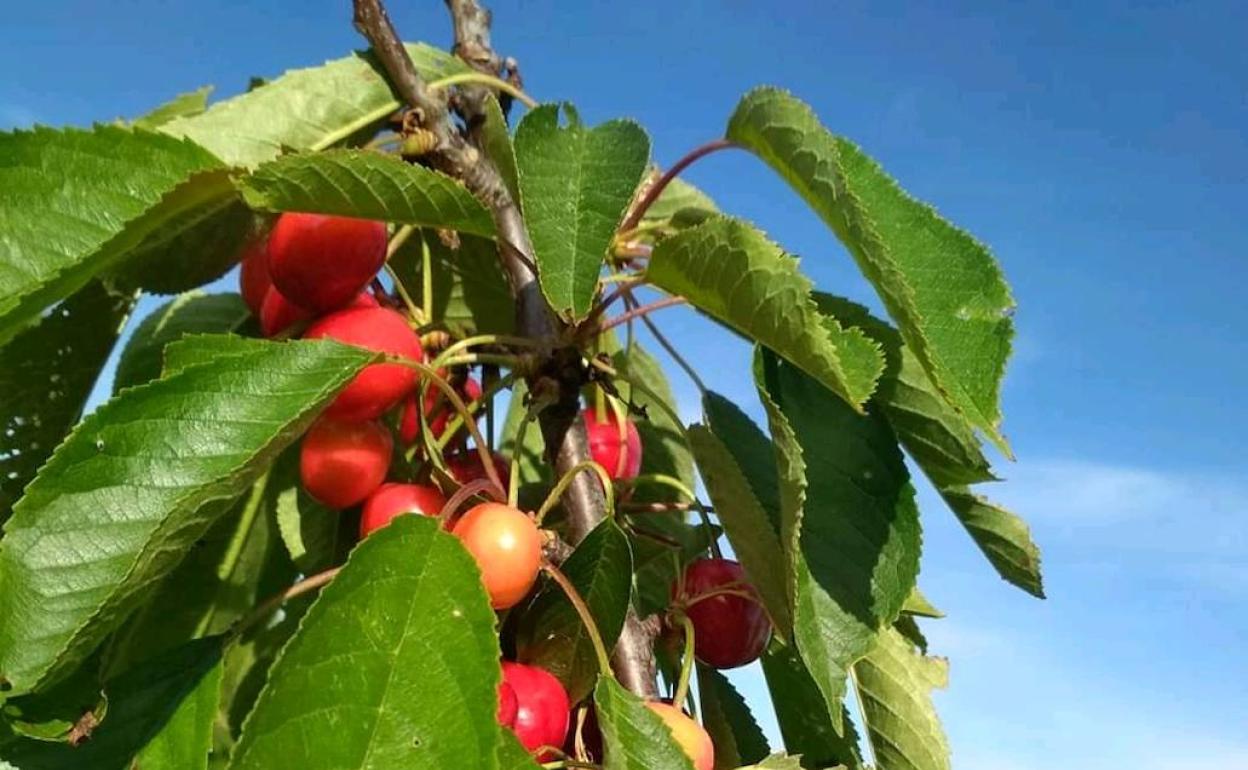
507,547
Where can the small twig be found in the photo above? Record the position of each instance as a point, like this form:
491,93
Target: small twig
269,606
641,311
670,348
655,190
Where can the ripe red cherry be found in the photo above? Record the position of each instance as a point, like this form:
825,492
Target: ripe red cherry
507,704
253,275
543,709
321,262
379,386
507,547
728,630
621,457
438,410
391,500
465,466
341,463
278,313
688,734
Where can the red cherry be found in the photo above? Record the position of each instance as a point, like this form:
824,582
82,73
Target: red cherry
391,500
379,386
728,630
277,314
465,466
321,262
507,704
543,709
688,734
621,457
253,275
507,547
341,463
438,409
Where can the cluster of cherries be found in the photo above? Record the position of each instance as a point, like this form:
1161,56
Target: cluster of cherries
314,270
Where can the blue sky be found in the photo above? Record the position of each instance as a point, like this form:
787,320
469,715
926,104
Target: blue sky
1100,148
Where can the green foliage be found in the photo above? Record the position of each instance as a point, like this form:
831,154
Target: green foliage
941,285
496,141
633,736
730,271
305,109
662,438
46,373
680,204
66,219
737,737
849,522
157,717
469,294
136,483
894,684
191,313
184,105
367,185
551,634
575,183
803,714
395,665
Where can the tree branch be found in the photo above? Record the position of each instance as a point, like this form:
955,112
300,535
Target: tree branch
562,373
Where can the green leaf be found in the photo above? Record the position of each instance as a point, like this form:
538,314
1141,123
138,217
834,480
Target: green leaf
309,530
496,141
183,105
851,527
551,634
232,568
803,714
943,287
306,109
395,665
664,449
944,445
918,604
894,686
575,184
54,715
67,218
730,271
680,202
512,755
470,292
46,374
778,762
367,185
191,313
755,541
155,713
136,483
633,736
737,737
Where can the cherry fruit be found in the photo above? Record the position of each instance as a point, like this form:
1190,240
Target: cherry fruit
507,704
391,500
507,547
341,463
620,456
438,410
253,275
379,386
466,465
688,734
729,630
543,709
321,262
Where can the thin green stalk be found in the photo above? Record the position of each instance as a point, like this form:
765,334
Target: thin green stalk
455,423
482,339
364,121
686,663
553,498
671,481
483,79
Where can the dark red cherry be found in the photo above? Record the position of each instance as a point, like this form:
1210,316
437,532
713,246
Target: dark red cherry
379,386
465,466
620,455
321,262
729,630
543,709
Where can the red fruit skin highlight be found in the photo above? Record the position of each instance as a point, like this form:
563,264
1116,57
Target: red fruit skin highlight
321,262
621,458
543,709
342,463
394,499
728,630
379,386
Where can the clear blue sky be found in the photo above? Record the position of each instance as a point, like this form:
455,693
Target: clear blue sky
1100,148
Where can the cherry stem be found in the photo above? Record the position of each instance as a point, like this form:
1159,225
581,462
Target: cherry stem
572,763
641,311
426,277
271,605
471,489
686,663
582,609
678,485
555,494
662,507
670,348
453,425
431,375
481,339
728,590
400,237
483,79
655,190
655,399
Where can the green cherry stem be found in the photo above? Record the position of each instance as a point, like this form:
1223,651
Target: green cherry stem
553,498
469,490
582,609
453,425
483,79
686,663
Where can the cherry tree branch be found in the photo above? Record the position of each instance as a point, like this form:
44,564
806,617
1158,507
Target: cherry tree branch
560,374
